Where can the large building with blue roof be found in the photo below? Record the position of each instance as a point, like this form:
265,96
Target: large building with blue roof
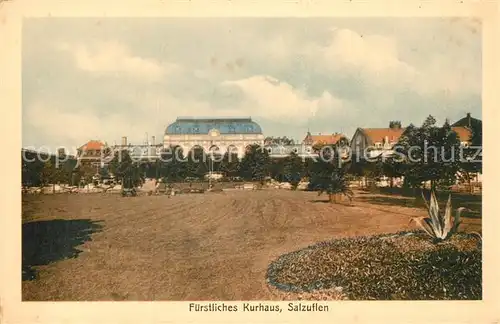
211,134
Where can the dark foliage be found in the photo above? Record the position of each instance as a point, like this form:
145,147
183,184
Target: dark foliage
330,176
373,268
255,164
293,169
230,164
123,167
438,156
39,169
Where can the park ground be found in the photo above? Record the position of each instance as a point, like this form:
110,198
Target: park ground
211,246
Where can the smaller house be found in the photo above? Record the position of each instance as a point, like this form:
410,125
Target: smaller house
91,153
376,141
330,139
464,134
469,122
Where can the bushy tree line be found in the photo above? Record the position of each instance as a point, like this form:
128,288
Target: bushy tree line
441,167
428,153
39,169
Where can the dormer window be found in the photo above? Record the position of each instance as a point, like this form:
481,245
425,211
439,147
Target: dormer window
378,145
196,130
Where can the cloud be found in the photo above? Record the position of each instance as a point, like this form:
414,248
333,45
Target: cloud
110,80
270,98
370,57
113,58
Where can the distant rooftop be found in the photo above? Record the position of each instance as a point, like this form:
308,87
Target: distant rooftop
203,125
212,118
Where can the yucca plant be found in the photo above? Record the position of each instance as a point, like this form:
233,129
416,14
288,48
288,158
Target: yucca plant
439,226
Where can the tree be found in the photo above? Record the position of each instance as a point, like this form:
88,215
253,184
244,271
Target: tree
329,174
122,166
277,169
197,163
293,169
173,165
230,164
255,164
279,140
431,153
330,179
83,174
47,174
394,124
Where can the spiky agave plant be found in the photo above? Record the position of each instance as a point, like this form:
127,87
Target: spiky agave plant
439,226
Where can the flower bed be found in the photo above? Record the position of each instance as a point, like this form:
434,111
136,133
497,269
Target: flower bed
405,265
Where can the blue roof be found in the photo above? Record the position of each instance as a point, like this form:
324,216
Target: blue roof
230,125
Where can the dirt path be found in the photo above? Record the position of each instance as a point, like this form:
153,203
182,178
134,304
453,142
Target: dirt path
190,247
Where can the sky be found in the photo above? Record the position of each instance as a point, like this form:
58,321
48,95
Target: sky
105,78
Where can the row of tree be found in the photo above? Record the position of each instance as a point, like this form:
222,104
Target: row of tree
332,176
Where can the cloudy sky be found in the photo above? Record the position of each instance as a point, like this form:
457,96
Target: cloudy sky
110,77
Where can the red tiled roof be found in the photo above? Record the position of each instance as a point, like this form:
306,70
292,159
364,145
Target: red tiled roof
92,145
463,133
378,134
324,139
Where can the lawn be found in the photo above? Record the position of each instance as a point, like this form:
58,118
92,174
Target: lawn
212,246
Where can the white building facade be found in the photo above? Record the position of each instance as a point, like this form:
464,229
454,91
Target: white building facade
218,135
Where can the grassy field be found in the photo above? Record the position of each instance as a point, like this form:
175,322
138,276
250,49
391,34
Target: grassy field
212,246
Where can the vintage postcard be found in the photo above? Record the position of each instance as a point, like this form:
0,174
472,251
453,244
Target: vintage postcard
231,161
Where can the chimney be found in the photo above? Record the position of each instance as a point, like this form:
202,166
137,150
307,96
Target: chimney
124,141
152,141
469,120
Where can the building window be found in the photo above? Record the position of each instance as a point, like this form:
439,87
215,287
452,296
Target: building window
231,129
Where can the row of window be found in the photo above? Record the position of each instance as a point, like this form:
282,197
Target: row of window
196,129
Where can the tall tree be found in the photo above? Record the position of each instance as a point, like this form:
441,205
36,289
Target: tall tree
255,163
122,166
173,164
277,169
230,164
197,163
293,169
329,174
431,153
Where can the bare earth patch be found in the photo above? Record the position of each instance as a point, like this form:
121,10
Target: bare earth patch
212,246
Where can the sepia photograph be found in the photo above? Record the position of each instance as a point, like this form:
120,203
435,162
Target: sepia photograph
268,166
